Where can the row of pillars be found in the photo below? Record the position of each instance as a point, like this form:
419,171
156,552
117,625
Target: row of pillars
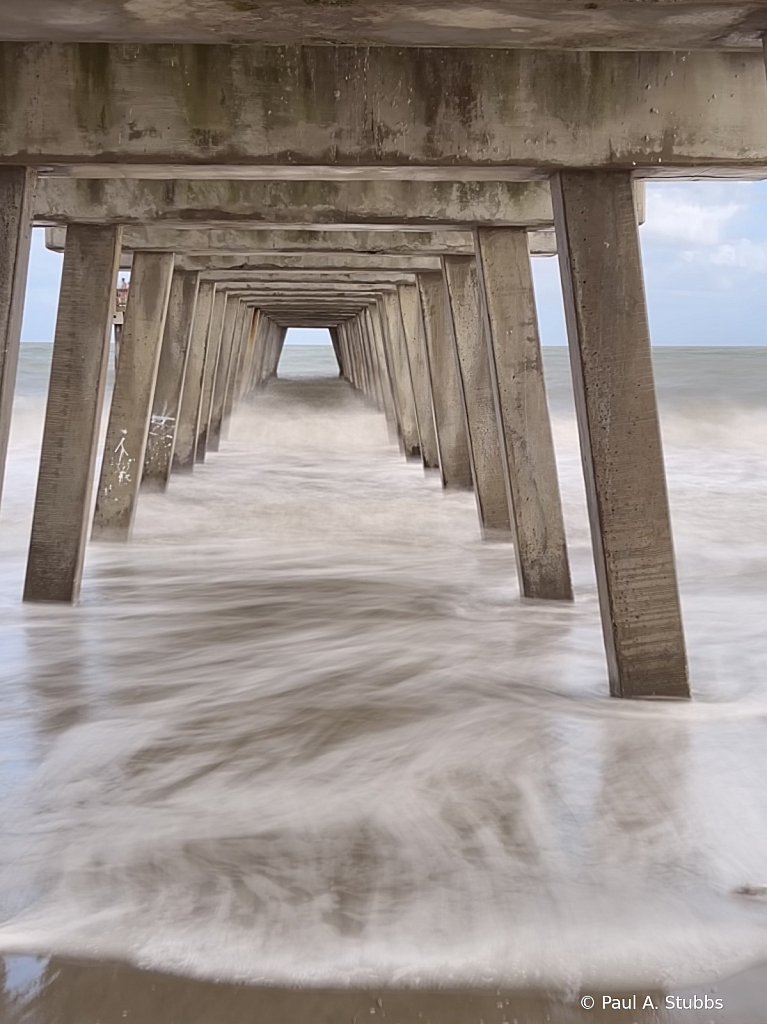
186,352
453,359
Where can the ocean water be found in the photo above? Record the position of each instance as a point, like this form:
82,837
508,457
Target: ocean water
302,731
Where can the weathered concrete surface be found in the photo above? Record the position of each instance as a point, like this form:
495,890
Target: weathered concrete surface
236,105
545,24
527,448
191,396
170,379
477,396
73,414
245,371
208,241
252,244
213,349
293,204
222,373
17,186
410,308
622,456
452,442
242,321
134,387
219,267
400,373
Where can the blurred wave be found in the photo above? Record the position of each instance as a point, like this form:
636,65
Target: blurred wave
302,730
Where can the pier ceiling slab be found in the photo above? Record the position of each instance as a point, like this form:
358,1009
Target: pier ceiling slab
530,112
540,24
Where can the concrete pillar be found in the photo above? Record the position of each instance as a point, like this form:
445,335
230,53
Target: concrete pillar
400,370
452,442
477,396
246,370
378,355
348,367
73,413
527,447
241,323
410,308
362,346
134,386
375,357
263,334
333,332
609,341
170,379
17,185
213,349
355,355
191,396
222,374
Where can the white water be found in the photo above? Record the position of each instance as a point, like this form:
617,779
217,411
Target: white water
302,730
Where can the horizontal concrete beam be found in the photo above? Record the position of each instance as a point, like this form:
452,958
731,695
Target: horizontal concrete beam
296,289
222,267
533,111
312,279
293,204
212,241
546,24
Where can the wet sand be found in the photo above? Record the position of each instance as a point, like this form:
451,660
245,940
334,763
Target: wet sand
59,991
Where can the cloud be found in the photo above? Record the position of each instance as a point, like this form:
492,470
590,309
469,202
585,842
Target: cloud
742,253
676,218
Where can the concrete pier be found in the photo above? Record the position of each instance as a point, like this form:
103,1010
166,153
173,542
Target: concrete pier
170,379
191,397
412,323
17,186
134,387
239,336
478,396
213,349
400,372
449,422
222,374
386,172
75,398
609,341
527,448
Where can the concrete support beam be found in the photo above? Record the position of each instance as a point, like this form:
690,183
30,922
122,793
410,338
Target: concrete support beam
222,266
609,341
527,448
170,379
412,322
549,24
213,349
222,373
243,241
441,108
191,397
17,185
296,205
334,341
477,396
452,442
131,408
400,371
73,414
246,367
241,327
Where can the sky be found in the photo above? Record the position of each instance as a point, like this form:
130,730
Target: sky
704,250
